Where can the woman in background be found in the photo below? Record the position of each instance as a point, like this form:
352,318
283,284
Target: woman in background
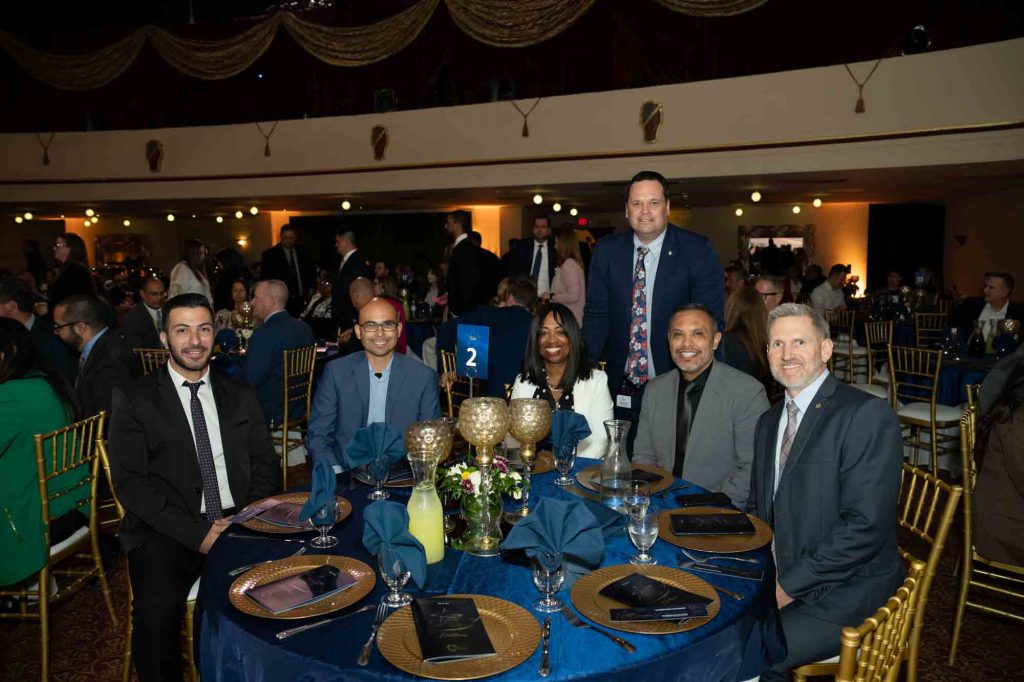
556,368
225,318
73,275
569,286
189,275
745,340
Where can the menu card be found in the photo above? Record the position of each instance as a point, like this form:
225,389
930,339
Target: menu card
650,599
301,589
646,476
703,499
255,509
450,629
286,515
712,524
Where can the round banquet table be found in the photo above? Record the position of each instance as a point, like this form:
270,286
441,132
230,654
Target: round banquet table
742,641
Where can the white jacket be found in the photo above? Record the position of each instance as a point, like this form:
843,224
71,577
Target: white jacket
592,400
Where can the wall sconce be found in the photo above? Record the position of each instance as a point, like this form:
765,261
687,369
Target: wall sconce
242,242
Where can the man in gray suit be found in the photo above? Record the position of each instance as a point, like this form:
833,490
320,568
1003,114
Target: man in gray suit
826,476
699,422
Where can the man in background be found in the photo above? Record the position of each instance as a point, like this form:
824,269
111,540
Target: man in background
16,303
144,322
352,267
291,263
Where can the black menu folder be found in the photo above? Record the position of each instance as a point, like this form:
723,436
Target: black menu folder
301,589
712,524
703,499
286,515
450,629
645,476
650,599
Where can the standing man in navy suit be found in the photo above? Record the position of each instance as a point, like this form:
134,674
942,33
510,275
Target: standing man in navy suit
637,279
264,358
352,267
535,257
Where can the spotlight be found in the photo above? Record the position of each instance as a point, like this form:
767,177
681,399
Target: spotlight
755,196
573,212
220,219
28,216
242,241
556,207
89,212
193,215
816,203
170,217
86,222
127,223
238,214
18,219
538,199
796,209
739,212
96,218
346,205
253,210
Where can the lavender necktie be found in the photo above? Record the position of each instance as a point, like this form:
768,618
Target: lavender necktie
787,439
211,491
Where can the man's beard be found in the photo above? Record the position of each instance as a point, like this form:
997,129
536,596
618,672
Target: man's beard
189,364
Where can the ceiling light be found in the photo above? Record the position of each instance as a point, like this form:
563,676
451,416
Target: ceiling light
85,222
796,209
556,207
238,214
573,211
18,219
89,212
127,223
755,196
253,210
220,219
242,241
816,203
739,212
170,217
28,216
96,218
346,205
193,215
538,199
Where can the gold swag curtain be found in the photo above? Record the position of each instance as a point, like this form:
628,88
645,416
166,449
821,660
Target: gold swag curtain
500,23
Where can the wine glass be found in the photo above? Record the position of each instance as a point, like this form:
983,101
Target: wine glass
378,471
643,531
638,496
324,519
395,574
565,457
548,571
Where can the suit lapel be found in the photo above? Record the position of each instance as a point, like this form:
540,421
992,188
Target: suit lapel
669,412
175,413
808,424
361,377
765,455
394,389
708,399
230,438
665,275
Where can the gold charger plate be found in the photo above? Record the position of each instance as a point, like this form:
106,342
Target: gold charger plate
590,478
282,568
587,599
724,544
513,632
343,511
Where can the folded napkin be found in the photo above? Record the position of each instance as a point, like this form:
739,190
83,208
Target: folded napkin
376,442
321,490
386,524
227,339
564,527
608,520
567,429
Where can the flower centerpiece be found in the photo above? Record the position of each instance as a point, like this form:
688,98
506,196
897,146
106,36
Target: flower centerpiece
462,483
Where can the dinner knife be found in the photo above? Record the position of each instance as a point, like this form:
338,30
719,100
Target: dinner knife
243,536
284,634
545,668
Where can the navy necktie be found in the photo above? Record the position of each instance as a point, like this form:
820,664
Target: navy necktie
536,262
211,491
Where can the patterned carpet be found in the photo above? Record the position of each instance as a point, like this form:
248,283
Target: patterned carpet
85,647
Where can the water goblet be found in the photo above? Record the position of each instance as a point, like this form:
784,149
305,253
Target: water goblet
638,496
378,471
324,520
395,574
548,571
564,459
643,531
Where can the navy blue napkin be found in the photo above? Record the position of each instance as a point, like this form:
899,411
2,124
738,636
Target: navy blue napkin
567,429
321,489
565,527
387,525
374,442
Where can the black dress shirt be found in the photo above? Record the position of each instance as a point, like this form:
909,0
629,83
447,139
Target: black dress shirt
686,406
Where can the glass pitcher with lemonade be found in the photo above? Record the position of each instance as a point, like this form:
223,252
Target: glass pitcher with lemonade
426,517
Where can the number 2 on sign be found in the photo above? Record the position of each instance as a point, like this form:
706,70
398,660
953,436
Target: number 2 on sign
471,360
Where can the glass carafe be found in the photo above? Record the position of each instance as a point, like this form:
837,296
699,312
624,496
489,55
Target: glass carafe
976,344
616,472
426,517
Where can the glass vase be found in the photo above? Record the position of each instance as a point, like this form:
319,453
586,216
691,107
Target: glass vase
482,530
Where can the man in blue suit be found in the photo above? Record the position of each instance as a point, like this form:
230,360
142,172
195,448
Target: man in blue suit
637,279
377,385
264,358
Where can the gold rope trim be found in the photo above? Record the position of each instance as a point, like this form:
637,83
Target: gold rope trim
76,72
520,23
711,8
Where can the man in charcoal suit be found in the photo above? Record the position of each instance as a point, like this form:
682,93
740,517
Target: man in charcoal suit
141,326
291,263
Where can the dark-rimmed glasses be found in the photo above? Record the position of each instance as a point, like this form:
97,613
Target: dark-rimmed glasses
372,326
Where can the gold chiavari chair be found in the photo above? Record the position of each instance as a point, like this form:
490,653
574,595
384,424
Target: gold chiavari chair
846,354
67,466
456,388
945,305
998,580
914,382
151,359
927,508
880,642
190,603
929,329
298,395
877,336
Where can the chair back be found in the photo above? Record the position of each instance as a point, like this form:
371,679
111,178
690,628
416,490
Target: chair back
298,367
840,324
914,375
456,388
929,328
945,305
877,336
104,457
151,358
973,392
927,508
875,650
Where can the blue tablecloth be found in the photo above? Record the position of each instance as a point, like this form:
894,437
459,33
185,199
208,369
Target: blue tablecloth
743,640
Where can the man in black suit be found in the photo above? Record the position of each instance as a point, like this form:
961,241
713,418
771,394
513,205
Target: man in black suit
489,267
16,303
351,268
187,448
291,263
994,305
826,476
463,265
141,326
536,257
105,360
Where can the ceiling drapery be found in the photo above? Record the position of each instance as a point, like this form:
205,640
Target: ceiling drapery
500,23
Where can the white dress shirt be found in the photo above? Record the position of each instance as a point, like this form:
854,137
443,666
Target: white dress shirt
803,402
824,297
990,316
543,280
205,395
651,261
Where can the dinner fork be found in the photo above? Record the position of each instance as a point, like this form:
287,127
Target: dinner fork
364,653
718,556
242,569
577,622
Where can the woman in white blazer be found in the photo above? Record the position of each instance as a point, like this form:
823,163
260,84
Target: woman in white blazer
556,368
189,275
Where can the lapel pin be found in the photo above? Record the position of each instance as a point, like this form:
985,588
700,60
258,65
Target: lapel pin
670,253
817,406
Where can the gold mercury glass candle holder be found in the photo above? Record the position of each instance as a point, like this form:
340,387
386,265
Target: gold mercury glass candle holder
434,435
530,422
483,422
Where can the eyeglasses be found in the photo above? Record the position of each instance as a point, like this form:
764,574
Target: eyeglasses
58,327
60,245
768,295
371,327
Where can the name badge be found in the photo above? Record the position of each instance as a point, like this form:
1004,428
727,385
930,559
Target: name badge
624,401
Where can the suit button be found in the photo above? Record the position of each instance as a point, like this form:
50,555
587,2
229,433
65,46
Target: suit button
198,489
